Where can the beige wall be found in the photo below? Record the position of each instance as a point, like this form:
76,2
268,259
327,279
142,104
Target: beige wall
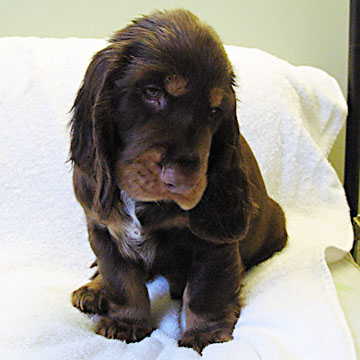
306,32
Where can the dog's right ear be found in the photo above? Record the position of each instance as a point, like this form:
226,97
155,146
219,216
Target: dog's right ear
92,127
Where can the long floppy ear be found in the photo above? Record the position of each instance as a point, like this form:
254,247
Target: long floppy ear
92,130
227,206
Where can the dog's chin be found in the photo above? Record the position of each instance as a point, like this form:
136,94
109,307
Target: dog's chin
190,199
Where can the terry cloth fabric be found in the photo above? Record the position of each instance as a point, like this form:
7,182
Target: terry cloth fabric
289,115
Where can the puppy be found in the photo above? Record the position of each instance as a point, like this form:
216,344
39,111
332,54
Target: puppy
167,183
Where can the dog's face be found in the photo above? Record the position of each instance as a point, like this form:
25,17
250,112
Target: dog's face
166,113
163,111
165,130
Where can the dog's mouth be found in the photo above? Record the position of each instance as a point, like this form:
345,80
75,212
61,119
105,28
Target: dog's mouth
145,179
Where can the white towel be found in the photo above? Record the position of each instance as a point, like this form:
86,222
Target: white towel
289,115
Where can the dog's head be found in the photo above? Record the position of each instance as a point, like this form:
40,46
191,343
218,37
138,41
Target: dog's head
155,115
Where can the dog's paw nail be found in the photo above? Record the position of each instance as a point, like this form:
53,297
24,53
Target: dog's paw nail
121,330
89,300
198,340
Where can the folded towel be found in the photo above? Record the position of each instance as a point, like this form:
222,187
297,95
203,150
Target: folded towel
290,117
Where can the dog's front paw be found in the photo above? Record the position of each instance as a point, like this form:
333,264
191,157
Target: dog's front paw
90,299
199,339
122,330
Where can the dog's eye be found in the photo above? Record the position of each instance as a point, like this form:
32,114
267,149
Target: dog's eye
215,111
152,93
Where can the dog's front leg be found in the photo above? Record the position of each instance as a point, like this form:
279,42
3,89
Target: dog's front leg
123,284
211,298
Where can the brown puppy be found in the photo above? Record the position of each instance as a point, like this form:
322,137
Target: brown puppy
167,183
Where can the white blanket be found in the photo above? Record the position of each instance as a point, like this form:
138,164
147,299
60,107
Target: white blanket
289,115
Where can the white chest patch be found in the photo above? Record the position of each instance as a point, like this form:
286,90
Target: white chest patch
133,230
130,238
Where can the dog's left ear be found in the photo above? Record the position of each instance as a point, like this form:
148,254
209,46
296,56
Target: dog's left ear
227,206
